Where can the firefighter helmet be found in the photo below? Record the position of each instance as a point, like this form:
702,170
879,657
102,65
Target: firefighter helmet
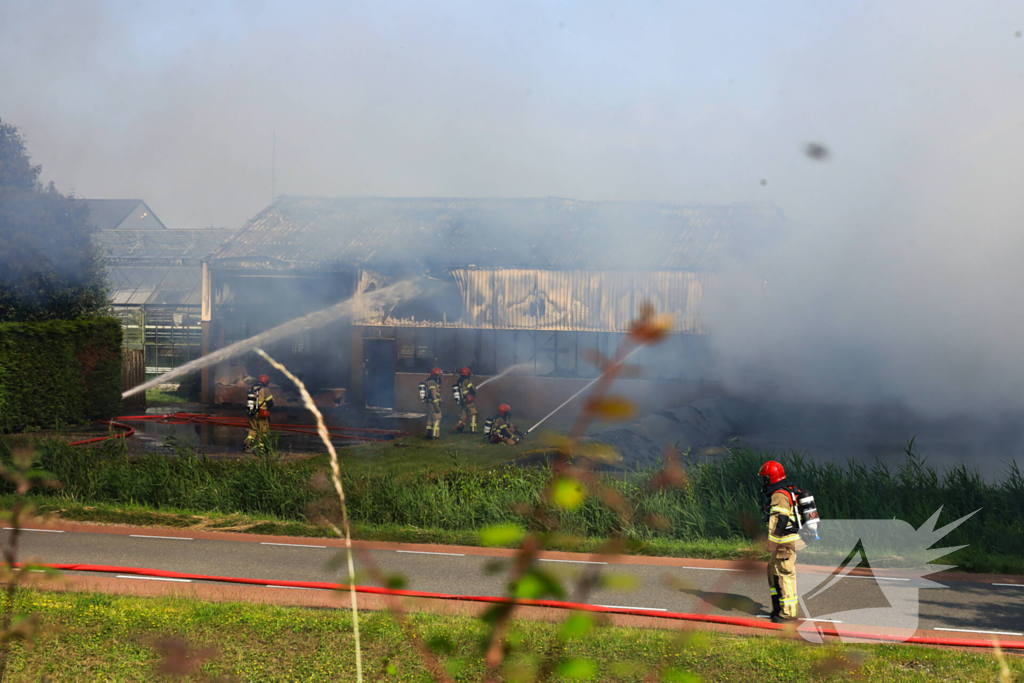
771,473
504,410
264,380
464,372
436,372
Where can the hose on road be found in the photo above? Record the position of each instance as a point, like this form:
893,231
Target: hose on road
555,604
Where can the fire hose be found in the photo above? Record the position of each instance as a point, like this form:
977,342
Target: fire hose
347,433
555,604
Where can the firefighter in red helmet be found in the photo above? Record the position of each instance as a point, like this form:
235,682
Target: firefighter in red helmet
430,393
501,428
465,395
783,540
258,403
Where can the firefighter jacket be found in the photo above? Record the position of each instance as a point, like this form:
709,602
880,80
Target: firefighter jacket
783,525
433,394
503,429
466,388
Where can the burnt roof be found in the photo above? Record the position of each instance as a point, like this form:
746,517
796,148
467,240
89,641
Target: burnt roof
313,232
111,214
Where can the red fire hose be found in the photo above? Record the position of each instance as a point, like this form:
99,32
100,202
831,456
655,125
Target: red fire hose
348,433
556,604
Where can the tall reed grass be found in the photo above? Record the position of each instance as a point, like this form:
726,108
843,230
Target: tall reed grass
719,502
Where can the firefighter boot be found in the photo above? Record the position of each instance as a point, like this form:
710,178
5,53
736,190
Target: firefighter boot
437,430
459,427
776,604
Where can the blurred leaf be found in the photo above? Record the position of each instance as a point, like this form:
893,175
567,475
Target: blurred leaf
577,625
577,668
619,582
455,666
659,522
614,408
494,566
849,661
499,535
395,582
678,583
568,493
595,450
650,327
627,669
537,584
441,644
676,676
390,668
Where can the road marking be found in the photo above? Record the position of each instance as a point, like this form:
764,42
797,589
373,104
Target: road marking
49,531
295,545
543,559
647,609
427,552
298,588
712,569
988,633
1015,585
153,578
169,538
877,578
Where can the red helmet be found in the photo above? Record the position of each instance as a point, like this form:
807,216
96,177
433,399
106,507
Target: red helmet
504,410
771,473
436,372
264,380
464,372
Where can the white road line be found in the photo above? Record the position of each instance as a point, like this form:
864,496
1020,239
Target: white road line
877,578
427,552
544,559
1015,585
49,531
153,578
988,633
169,538
299,588
648,609
295,545
712,569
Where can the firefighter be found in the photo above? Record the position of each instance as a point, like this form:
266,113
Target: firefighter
783,540
258,403
502,429
432,398
466,393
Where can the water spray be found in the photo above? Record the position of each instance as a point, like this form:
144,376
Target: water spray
385,297
588,385
503,373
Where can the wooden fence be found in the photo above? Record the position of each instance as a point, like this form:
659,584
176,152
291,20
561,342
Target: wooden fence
133,373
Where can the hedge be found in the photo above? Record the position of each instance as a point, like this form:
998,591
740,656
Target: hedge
59,372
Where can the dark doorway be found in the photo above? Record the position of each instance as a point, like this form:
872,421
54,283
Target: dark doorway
379,372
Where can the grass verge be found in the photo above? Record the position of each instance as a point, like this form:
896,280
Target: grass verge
115,638
447,496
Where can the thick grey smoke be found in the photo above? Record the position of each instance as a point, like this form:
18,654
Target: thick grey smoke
901,275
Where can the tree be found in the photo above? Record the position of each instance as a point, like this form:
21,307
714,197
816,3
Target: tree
49,266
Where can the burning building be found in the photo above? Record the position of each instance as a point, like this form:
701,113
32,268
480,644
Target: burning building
541,284
155,278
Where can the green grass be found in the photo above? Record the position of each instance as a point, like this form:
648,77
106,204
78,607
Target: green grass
113,638
413,492
157,397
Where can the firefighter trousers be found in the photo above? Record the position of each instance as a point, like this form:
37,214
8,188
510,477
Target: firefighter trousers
433,421
468,417
259,430
782,582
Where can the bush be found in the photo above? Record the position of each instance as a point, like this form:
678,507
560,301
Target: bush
59,372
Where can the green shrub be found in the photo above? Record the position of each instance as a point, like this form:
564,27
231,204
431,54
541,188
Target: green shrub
59,372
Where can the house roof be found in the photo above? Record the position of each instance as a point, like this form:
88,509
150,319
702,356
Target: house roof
313,232
114,214
148,245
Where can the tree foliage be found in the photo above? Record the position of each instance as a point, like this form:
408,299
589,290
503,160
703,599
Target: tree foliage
49,266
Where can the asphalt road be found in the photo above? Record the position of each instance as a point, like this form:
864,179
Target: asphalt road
661,584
